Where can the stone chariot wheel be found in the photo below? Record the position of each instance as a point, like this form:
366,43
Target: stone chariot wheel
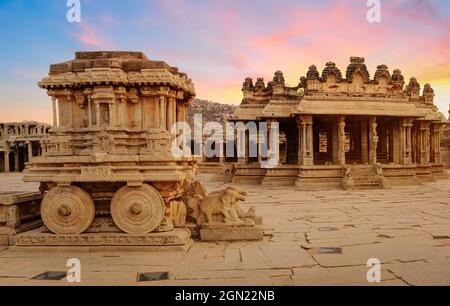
137,210
67,210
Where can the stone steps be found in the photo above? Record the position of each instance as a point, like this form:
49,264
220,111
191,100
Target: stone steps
365,177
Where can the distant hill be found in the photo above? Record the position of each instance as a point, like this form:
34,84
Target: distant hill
211,111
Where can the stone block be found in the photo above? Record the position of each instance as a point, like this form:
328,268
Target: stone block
19,212
233,233
37,238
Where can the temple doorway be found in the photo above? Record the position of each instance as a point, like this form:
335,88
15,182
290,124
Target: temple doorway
385,129
323,140
289,141
355,138
2,161
12,162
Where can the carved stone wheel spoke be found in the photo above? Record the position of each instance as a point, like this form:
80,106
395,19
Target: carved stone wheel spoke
137,210
67,210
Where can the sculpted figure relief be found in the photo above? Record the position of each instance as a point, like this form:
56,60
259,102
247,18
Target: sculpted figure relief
220,207
178,213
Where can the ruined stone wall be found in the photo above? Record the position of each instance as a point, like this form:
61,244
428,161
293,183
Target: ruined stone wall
19,142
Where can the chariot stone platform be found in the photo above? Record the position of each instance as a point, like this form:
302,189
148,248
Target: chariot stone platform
41,238
108,175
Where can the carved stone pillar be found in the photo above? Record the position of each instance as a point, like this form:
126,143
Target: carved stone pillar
162,112
89,107
174,112
436,144
243,160
373,140
30,150
424,138
120,113
269,141
55,117
406,140
156,116
169,113
364,143
112,114
97,113
341,140
300,140
16,158
70,114
7,169
307,148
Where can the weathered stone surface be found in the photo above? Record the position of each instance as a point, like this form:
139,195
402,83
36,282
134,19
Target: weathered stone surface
19,212
234,233
37,238
381,224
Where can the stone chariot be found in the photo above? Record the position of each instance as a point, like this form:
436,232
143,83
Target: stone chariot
107,164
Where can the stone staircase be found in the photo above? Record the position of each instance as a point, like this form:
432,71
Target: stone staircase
365,177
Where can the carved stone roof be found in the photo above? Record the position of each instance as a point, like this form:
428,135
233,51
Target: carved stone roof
278,78
115,67
427,89
330,69
413,86
248,84
382,71
398,78
356,94
357,64
260,85
313,73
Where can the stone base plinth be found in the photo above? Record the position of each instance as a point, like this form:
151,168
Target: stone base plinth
246,180
278,181
439,171
424,173
209,167
37,238
248,174
319,177
226,178
401,175
231,233
19,212
283,175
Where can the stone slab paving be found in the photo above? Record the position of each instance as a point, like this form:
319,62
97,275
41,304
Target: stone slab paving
407,229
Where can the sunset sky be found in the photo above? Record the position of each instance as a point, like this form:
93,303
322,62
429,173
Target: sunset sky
219,43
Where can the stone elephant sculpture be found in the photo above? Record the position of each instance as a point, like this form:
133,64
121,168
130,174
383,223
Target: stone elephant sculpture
224,202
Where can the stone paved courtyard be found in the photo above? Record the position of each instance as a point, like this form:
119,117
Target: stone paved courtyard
407,228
